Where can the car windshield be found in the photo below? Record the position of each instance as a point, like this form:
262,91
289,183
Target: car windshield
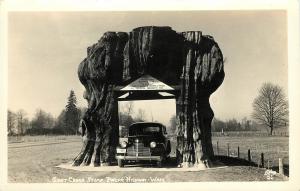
144,129
151,129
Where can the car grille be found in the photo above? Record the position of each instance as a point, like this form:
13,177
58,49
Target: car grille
138,149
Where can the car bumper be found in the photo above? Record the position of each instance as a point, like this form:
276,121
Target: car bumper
136,158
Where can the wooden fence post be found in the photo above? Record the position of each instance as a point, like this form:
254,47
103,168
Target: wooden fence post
228,149
280,166
249,155
262,160
238,152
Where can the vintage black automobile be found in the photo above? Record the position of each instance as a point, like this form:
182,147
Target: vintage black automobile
146,141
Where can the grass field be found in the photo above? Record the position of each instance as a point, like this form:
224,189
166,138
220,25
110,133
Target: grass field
35,160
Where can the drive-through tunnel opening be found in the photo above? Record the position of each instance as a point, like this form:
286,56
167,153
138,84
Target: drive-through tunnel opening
148,100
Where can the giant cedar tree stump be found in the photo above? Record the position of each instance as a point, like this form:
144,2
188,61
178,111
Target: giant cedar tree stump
189,59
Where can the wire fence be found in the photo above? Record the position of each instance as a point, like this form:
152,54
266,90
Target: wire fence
250,133
262,155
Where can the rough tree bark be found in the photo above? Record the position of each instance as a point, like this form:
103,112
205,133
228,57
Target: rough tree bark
202,74
189,59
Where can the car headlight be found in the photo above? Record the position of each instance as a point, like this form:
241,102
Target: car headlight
123,144
153,144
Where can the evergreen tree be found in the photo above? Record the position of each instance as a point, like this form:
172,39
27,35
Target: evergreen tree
72,115
42,120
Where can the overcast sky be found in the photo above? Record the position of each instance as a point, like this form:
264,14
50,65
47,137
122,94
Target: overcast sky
45,49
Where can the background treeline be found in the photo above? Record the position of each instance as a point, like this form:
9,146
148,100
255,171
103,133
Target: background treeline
234,125
270,111
126,118
224,126
44,123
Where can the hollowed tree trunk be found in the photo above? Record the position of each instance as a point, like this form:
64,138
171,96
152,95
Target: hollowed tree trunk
188,59
202,75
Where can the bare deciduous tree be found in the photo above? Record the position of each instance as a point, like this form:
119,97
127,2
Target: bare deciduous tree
125,114
21,114
271,107
141,115
127,108
11,122
173,122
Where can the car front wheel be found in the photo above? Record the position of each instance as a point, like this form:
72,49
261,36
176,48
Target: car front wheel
120,163
159,164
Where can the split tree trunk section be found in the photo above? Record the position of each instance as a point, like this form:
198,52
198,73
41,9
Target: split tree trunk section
189,59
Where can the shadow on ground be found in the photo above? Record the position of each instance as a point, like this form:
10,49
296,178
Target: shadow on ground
169,163
219,160
233,161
